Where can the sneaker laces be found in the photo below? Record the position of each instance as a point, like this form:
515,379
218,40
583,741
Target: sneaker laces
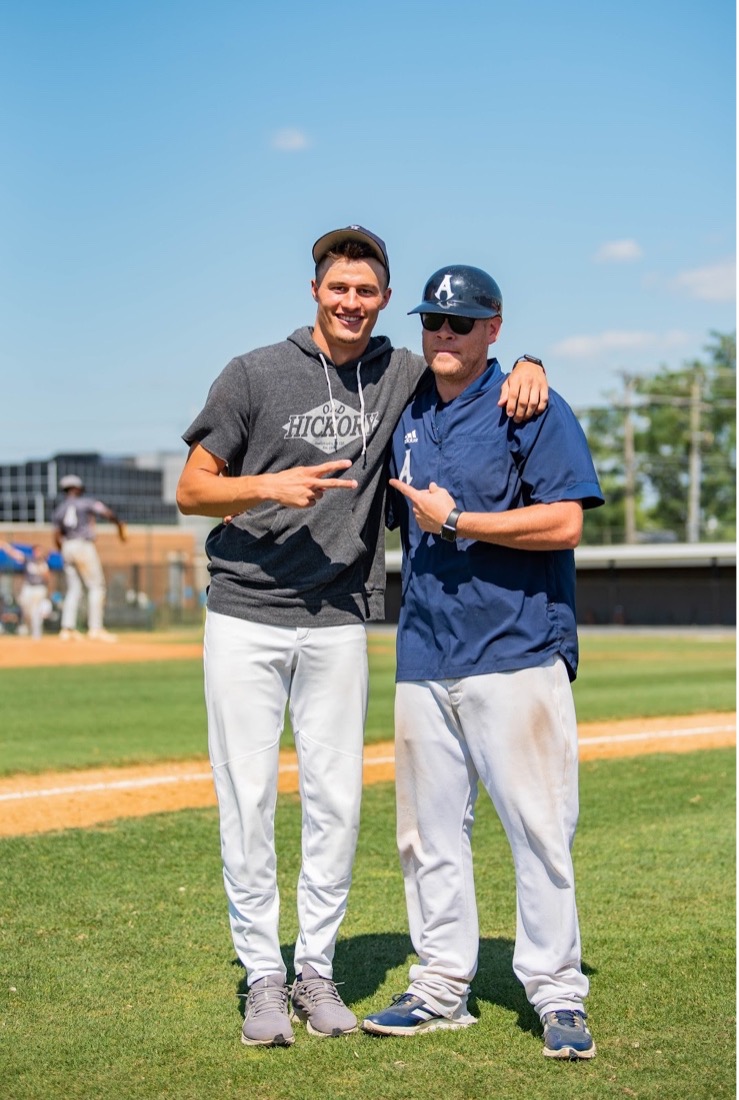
319,991
269,999
566,1017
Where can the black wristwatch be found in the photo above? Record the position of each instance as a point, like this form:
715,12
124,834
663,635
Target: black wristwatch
449,526
531,359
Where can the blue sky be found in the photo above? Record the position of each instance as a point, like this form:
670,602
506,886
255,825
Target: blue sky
168,165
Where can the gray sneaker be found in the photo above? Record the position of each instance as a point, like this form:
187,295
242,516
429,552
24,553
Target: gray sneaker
266,1022
317,1004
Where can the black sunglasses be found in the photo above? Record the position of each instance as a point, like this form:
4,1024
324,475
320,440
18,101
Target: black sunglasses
432,322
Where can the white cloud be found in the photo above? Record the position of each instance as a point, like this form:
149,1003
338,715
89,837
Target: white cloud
618,252
715,283
290,140
589,347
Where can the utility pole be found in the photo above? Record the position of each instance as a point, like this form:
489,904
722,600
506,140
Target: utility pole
629,462
693,532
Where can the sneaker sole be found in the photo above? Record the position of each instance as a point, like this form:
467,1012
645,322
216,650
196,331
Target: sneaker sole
570,1053
418,1029
335,1034
301,1018
276,1041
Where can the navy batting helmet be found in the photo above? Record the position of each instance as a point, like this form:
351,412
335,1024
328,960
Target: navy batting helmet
466,291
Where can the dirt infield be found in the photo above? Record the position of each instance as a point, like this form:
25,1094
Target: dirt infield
80,799
25,652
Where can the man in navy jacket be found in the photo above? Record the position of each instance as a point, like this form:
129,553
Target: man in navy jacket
489,513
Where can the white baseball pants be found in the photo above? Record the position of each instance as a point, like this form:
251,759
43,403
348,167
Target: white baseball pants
35,605
251,672
516,732
82,566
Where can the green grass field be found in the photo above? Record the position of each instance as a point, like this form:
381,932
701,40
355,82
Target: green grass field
117,974
118,980
123,714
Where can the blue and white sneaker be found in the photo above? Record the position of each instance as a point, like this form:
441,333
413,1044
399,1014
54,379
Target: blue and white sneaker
409,1015
566,1035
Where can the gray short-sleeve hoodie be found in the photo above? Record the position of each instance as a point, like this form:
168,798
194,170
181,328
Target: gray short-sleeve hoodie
288,405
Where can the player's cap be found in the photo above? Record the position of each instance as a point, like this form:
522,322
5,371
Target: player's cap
328,241
466,291
71,481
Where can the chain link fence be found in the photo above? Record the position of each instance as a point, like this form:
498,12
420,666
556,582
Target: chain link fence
140,596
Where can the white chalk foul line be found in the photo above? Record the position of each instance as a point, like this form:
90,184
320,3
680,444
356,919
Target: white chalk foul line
658,735
113,785
285,769
146,781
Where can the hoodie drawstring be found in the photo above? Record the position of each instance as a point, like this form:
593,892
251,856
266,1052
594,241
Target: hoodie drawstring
331,402
333,410
361,407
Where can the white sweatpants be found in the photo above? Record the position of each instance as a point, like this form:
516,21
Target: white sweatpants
517,733
82,566
251,671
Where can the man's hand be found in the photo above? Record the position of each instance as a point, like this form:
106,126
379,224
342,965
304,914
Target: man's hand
203,490
525,391
431,506
302,486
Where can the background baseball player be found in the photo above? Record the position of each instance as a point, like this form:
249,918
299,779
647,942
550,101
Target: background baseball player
74,521
489,514
292,442
33,598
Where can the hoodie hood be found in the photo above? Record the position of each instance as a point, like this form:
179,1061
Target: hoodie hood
303,338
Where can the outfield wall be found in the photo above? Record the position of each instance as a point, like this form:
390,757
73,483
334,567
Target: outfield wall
159,576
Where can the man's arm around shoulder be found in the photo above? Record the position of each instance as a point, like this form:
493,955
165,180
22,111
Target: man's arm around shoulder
525,391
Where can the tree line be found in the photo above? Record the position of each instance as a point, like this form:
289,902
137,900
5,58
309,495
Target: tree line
665,451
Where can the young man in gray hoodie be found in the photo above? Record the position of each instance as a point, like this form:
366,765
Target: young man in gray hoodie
295,574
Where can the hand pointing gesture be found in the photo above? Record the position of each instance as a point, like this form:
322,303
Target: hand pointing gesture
431,506
302,486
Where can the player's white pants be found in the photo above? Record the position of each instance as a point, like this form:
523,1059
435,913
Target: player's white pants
251,671
34,603
82,566
516,732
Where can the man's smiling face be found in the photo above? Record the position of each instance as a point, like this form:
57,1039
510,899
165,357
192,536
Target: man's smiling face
350,295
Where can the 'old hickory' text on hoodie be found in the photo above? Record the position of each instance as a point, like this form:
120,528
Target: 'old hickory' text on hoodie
288,405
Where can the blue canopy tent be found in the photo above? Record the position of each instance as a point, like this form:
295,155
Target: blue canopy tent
9,565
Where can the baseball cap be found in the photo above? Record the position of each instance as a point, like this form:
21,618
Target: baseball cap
71,481
328,241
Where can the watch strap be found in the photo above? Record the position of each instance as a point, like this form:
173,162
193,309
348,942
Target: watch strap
449,526
530,359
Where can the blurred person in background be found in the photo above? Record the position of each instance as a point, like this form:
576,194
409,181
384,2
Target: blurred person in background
33,598
74,521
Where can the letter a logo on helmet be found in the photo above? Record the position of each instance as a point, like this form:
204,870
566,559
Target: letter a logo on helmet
461,289
444,292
